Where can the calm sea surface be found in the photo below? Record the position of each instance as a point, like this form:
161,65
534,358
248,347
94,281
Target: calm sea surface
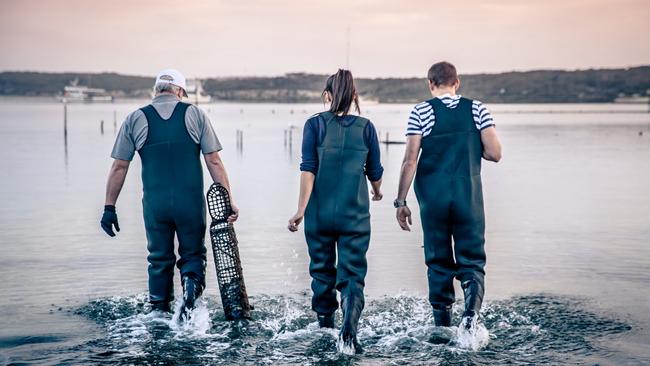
568,243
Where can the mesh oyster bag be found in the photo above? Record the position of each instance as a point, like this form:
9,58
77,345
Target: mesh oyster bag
226,255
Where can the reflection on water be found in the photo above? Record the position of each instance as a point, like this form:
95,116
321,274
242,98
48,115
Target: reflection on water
65,134
568,215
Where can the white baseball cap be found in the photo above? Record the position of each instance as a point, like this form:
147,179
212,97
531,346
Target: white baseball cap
172,76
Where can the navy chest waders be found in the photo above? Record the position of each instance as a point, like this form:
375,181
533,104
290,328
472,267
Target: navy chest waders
449,192
337,218
173,203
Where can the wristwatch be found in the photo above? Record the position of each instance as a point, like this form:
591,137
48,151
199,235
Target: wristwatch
399,203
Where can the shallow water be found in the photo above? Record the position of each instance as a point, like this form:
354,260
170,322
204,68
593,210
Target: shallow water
568,227
523,330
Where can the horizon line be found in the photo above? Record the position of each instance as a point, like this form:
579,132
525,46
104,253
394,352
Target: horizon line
594,68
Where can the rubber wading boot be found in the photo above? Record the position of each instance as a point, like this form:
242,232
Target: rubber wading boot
192,289
325,320
442,315
473,292
352,307
161,306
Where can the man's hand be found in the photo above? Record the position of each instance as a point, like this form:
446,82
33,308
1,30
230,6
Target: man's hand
295,221
109,219
235,213
409,166
404,218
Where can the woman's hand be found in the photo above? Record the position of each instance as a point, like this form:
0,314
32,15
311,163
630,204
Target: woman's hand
235,213
377,195
375,188
295,221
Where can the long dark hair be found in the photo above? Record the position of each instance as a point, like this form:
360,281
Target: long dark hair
342,91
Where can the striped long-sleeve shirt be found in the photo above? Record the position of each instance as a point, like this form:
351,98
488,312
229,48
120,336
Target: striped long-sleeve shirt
422,118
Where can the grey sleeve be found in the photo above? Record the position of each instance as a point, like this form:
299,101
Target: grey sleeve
125,143
200,129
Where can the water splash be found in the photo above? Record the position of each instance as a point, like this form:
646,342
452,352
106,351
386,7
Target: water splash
398,329
471,335
345,349
195,323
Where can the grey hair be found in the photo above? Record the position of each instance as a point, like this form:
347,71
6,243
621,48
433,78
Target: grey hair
166,88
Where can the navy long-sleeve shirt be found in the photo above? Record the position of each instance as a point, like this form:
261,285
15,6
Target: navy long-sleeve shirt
314,134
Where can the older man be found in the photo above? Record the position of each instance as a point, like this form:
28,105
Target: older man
169,136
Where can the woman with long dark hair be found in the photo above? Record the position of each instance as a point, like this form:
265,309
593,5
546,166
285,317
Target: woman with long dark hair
339,152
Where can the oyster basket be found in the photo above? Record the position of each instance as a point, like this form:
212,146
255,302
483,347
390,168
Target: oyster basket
226,255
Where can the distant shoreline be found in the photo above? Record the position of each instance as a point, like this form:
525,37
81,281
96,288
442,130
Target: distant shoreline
541,86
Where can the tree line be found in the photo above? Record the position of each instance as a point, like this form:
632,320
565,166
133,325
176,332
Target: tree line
541,86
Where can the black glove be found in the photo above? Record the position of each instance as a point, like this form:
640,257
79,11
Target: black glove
109,218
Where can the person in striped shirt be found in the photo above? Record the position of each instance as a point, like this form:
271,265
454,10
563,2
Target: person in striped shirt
451,135
422,119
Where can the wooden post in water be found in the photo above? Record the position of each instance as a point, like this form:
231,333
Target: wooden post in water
239,137
65,119
290,137
101,127
65,133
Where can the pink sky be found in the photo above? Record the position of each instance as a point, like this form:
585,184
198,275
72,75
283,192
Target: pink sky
267,37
